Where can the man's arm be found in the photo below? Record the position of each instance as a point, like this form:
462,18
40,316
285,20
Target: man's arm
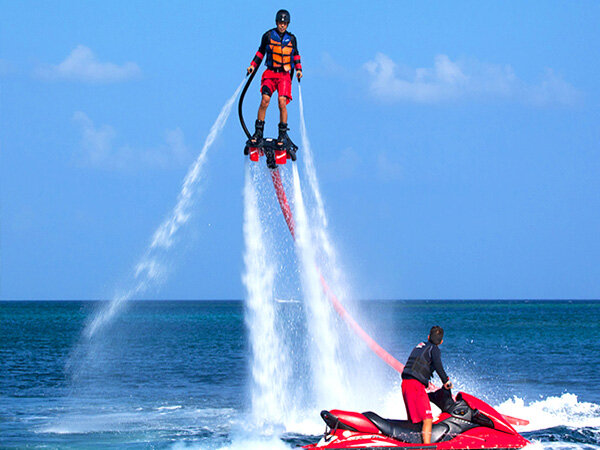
296,58
436,360
260,54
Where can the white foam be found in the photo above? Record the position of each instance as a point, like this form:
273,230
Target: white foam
309,422
565,410
169,408
142,419
538,446
257,443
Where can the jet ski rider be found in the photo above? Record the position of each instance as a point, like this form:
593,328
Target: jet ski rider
425,358
282,57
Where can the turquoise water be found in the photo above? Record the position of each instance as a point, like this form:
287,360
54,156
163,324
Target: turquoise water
177,374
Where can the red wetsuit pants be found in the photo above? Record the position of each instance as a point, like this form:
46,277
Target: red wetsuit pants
276,81
416,401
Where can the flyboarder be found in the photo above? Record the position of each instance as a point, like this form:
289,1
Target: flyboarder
282,57
423,360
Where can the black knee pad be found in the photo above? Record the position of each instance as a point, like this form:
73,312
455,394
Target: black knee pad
266,91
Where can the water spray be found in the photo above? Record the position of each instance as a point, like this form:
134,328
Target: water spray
151,268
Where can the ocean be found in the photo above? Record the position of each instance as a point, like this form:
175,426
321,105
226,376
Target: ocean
179,374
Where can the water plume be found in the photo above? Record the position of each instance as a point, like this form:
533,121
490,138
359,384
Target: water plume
270,365
329,378
151,270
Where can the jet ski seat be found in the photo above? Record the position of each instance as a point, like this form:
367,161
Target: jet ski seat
461,417
403,430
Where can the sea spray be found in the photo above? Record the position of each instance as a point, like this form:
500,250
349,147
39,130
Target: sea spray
270,365
329,378
309,164
553,411
370,377
151,270
328,259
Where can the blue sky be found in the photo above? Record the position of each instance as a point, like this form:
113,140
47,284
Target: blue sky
457,144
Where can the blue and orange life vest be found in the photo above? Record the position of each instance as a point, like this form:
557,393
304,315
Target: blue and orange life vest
281,51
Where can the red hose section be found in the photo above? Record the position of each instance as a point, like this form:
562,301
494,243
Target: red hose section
380,351
283,201
337,305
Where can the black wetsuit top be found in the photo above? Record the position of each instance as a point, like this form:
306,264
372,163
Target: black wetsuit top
422,362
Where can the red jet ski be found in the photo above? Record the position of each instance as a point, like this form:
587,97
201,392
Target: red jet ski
465,423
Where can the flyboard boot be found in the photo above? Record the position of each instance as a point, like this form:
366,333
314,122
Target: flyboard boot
256,139
285,143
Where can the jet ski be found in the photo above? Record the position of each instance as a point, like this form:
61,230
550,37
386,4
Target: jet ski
466,422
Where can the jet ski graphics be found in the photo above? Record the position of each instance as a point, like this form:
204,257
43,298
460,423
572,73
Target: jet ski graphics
466,423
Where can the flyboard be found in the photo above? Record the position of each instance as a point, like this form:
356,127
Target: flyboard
277,154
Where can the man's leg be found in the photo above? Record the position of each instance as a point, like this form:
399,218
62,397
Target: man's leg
427,423
259,125
264,104
282,138
282,109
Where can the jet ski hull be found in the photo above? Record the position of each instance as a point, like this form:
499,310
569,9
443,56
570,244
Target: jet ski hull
467,424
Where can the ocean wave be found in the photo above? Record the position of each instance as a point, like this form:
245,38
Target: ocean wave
168,418
552,412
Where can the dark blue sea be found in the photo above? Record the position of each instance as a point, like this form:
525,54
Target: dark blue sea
178,374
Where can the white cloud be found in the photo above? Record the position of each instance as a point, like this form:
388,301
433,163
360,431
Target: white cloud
96,142
554,89
82,65
450,80
98,148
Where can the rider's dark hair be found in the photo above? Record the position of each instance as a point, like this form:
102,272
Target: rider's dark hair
436,334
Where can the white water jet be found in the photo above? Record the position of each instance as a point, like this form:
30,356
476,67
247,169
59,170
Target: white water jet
151,269
270,365
328,259
366,377
309,164
329,378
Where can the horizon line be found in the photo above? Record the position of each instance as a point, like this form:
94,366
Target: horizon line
299,300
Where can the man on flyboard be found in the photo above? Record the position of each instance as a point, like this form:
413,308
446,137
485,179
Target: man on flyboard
282,57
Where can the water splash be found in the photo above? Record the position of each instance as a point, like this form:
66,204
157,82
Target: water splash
309,165
368,377
329,377
549,412
151,270
270,365
327,256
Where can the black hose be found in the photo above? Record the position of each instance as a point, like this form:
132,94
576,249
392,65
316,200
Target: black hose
241,101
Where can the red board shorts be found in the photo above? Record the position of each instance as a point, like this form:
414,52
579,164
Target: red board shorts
416,401
277,81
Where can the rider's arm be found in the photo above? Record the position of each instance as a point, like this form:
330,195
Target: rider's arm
436,360
296,55
260,54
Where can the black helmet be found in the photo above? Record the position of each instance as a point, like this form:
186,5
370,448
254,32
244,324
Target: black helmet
283,15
